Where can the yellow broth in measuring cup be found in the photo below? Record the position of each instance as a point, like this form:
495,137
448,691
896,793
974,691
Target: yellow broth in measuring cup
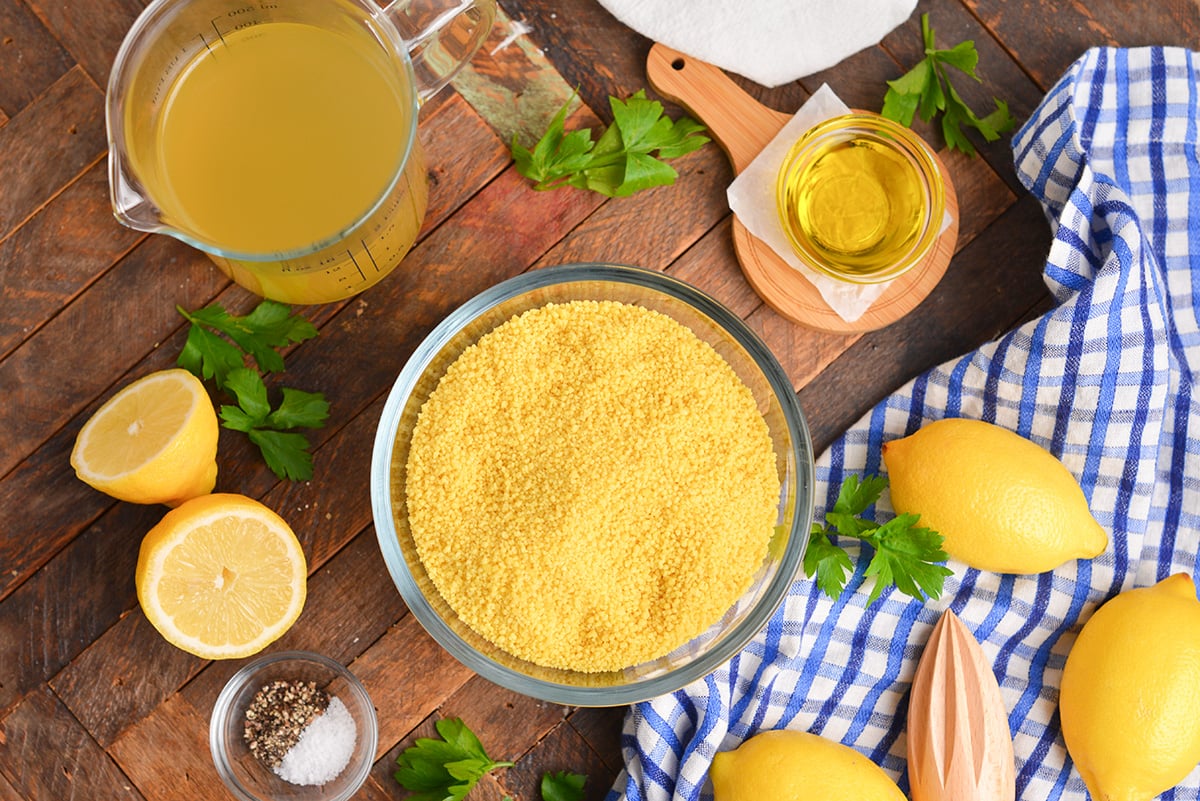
277,137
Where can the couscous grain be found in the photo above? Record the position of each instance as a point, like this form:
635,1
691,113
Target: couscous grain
590,486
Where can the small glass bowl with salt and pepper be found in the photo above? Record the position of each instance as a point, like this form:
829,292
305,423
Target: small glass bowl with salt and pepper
293,726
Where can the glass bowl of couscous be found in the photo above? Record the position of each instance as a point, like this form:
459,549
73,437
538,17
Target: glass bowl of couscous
592,484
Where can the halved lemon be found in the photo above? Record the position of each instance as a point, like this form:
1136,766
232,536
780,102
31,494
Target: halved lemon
221,576
155,441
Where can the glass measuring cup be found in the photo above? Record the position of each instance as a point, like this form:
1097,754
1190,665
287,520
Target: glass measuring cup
279,136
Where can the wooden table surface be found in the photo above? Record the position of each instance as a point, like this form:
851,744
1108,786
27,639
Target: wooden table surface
93,703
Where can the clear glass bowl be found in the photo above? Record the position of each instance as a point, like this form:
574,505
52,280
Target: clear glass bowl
247,778
711,322
817,174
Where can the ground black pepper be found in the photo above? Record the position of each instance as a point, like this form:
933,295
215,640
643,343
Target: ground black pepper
278,714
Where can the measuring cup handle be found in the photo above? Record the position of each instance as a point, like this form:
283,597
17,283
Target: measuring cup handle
441,36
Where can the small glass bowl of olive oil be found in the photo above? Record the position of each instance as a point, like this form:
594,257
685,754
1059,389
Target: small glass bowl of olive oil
861,198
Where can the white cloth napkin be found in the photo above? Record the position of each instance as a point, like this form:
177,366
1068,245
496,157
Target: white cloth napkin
771,42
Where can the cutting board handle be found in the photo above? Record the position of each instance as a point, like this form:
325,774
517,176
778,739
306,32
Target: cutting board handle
739,123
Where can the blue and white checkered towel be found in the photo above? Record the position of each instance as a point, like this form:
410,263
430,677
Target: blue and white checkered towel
1106,381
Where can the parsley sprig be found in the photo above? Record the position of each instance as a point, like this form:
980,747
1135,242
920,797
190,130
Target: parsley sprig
216,349
563,786
621,161
906,555
926,90
445,769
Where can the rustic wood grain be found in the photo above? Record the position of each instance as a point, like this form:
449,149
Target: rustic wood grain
711,265
648,231
91,32
601,727
93,341
166,753
39,280
1047,38
70,601
30,58
562,750
45,146
8,792
44,753
491,709
407,673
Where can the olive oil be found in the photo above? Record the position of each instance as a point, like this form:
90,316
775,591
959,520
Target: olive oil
855,202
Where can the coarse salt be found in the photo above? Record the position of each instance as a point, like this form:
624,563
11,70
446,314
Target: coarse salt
324,748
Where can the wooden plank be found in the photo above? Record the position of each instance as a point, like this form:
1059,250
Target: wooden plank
860,81
48,144
1045,37
122,677
166,754
647,229
92,32
562,750
452,130
30,58
601,728
39,280
123,316
407,674
512,85
996,274
711,266
71,601
1175,22
7,791
44,753
489,710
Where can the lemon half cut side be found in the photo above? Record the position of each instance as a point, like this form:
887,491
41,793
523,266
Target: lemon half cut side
222,576
155,441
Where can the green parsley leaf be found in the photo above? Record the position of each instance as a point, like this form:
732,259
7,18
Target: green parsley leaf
905,554
563,786
251,393
299,409
825,560
269,326
207,355
445,769
926,90
285,452
216,350
627,157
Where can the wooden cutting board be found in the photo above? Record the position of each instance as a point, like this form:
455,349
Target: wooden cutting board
742,127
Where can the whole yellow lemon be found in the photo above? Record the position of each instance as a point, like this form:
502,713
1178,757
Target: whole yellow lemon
1130,698
1003,503
785,765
